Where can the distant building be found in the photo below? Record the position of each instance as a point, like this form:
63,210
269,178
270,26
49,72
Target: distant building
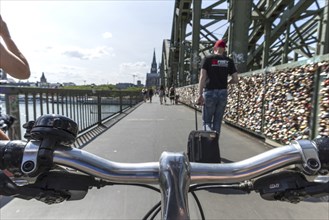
153,78
124,85
43,81
69,84
139,83
43,78
54,85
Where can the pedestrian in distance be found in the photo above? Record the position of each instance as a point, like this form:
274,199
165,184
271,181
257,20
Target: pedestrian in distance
162,94
213,94
151,93
144,93
172,95
12,61
165,95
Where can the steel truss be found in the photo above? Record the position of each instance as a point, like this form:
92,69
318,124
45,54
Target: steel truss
259,34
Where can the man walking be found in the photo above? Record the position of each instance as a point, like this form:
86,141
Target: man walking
215,69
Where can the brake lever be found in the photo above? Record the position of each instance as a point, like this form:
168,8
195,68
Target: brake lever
7,187
318,190
314,190
289,186
51,187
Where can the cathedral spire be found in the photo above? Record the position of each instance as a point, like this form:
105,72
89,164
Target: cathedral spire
154,64
154,60
43,78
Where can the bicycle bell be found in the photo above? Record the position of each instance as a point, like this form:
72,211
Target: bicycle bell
57,129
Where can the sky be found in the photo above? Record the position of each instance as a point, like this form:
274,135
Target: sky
89,41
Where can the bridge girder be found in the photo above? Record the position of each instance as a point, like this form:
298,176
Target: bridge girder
279,31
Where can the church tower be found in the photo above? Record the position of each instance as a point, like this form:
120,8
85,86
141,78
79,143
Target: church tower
154,67
153,78
43,78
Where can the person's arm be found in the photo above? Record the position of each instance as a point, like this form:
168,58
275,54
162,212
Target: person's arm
3,136
233,72
234,79
12,61
202,83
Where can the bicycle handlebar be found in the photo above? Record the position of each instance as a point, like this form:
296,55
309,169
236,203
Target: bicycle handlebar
200,172
322,145
313,155
27,164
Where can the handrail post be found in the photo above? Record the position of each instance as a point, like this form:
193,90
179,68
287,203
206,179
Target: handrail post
120,100
99,108
12,107
130,100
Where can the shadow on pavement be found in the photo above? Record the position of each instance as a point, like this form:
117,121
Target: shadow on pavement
4,200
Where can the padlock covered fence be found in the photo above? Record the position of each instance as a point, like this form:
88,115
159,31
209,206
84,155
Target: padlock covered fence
280,103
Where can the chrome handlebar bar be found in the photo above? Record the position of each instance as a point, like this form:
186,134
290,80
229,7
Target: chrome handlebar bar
199,172
105,169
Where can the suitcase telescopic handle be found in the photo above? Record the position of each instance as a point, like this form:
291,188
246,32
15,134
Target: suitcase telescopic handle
196,116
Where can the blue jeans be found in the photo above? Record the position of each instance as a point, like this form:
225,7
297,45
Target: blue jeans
213,110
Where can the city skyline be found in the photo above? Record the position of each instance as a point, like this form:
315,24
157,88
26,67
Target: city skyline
100,42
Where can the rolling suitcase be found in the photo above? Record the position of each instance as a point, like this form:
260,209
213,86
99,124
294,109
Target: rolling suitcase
202,145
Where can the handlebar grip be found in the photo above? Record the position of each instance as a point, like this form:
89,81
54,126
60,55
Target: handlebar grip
2,152
322,145
11,155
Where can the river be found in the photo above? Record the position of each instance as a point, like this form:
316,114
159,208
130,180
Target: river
83,115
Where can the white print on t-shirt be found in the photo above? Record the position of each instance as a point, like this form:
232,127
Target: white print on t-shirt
220,63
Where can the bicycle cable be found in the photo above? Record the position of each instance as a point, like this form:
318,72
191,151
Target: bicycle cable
157,207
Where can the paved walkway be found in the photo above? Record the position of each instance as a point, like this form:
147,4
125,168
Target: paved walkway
141,136
157,128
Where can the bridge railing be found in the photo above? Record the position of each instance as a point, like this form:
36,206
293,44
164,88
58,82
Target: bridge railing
89,108
280,103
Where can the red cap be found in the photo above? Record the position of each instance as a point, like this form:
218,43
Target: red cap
220,43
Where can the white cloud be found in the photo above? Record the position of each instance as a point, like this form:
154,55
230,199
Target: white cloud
76,54
130,72
70,68
107,35
88,54
132,66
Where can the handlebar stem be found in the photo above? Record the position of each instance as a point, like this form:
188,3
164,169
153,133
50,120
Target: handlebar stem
174,185
311,163
30,157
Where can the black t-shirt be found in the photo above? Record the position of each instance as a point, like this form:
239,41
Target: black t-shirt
218,68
